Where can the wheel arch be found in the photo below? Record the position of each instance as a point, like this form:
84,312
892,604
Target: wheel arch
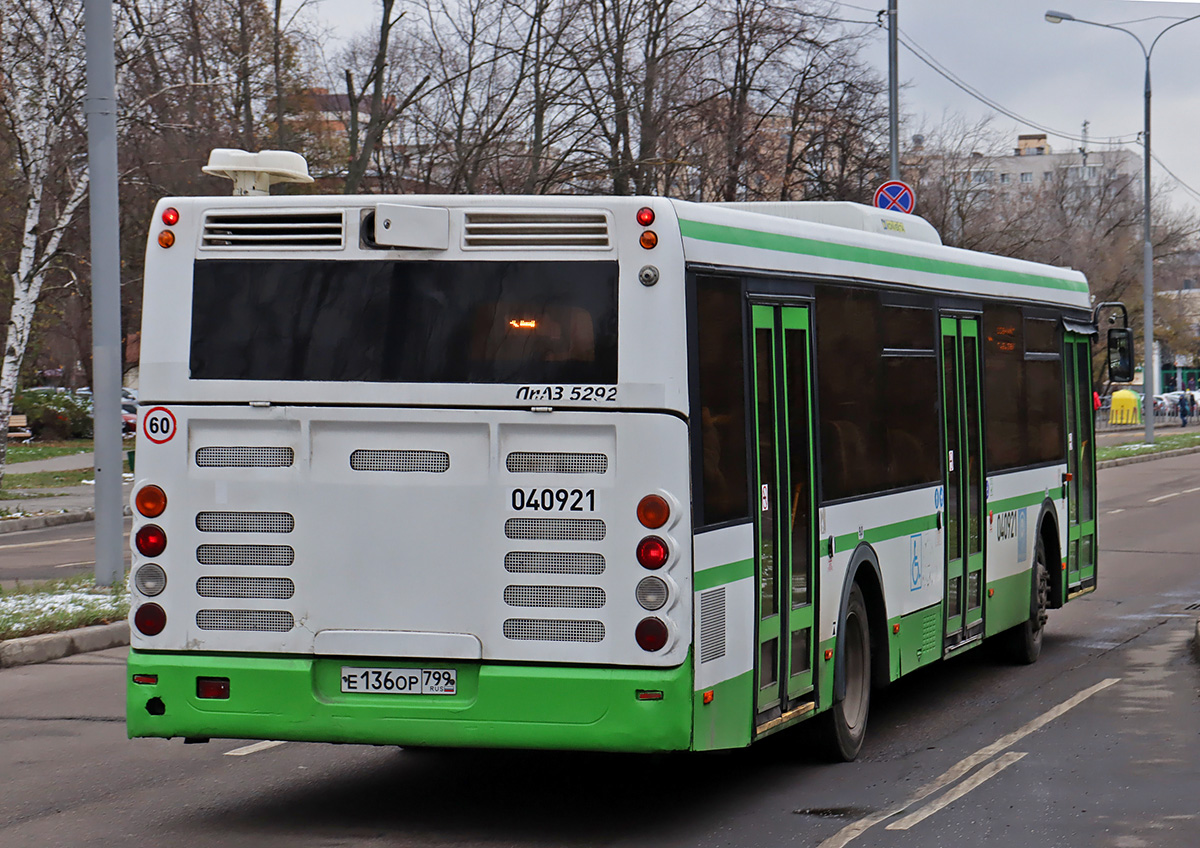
864,570
1048,532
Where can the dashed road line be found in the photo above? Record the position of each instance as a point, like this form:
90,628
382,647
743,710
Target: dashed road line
974,781
1164,497
254,749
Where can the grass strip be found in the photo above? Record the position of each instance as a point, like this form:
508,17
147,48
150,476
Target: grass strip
47,450
58,605
1162,443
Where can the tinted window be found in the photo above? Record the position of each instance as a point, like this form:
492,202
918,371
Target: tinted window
879,426
419,322
722,401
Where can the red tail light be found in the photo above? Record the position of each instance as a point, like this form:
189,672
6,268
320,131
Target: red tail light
150,540
651,634
645,216
170,216
212,687
150,619
652,553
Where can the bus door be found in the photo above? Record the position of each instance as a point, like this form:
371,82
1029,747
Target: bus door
785,535
1081,468
964,481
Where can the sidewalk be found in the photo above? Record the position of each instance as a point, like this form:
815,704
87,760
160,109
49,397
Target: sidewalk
65,505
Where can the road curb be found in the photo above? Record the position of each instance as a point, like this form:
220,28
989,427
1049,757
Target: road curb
1196,642
54,646
37,522
1149,457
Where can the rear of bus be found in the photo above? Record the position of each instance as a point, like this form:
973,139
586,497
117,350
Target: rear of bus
413,473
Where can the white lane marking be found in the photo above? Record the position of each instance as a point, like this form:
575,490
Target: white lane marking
1115,511
855,829
40,544
69,564
1190,491
253,749
1164,497
973,782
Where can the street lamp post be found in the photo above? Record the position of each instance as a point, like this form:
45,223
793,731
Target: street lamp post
1148,374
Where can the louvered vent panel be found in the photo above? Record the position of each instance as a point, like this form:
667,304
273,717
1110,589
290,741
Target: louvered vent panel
279,588
245,522
299,230
556,529
245,555
564,597
400,460
277,621
547,562
526,462
712,624
536,229
554,630
244,457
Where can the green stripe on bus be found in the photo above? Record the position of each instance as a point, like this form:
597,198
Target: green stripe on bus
884,533
722,234
722,574
1032,499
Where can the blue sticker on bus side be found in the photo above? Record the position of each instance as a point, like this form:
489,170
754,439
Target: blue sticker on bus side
1022,533
914,544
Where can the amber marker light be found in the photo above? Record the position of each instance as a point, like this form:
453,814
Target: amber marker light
151,501
166,238
653,511
648,240
170,216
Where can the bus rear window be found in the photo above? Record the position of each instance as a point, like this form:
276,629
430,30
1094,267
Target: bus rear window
412,322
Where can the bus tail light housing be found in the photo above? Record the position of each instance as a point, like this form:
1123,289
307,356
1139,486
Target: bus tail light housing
653,511
652,553
150,619
651,634
151,540
150,579
213,688
151,501
645,216
170,216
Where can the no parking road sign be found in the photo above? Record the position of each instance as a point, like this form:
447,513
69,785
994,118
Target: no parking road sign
895,196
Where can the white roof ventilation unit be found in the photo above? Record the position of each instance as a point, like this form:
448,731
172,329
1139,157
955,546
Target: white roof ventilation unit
255,173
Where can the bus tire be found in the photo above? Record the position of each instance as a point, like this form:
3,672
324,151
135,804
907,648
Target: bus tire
1025,640
846,721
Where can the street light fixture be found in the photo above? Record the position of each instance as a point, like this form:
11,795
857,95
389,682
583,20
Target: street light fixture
1148,377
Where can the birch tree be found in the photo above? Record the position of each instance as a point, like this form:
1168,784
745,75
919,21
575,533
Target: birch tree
42,105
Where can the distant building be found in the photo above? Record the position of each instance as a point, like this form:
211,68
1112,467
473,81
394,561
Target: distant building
1034,163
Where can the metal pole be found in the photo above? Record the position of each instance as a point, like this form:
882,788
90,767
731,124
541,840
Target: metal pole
100,107
893,90
1150,373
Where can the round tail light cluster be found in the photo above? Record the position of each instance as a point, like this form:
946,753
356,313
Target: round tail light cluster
150,579
150,540
653,511
651,634
652,553
151,501
150,619
170,217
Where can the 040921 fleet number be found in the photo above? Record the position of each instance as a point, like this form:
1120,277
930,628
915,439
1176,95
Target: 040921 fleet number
554,500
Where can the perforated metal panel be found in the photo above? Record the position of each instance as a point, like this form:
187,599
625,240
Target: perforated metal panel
565,597
554,630
245,555
245,587
278,621
712,624
399,460
546,562
555,529
245,522
526,462
244,457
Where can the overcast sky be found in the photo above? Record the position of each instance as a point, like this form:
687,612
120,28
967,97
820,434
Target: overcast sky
1055,75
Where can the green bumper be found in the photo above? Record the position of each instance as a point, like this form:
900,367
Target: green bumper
299,698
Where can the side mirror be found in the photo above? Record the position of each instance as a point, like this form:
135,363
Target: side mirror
1120,355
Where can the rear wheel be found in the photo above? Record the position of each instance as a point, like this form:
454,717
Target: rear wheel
1025,640
846,722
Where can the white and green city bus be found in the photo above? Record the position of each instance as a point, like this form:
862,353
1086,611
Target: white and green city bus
603,473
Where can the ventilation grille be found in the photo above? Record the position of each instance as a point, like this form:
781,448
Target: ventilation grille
244,457
712,624
245,522
564,597
536,229
931,631
551,630
279,588
556,463
399,460
538,562
245,555
304,230
277,621
555,529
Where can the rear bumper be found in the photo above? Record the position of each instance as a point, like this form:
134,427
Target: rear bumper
299,698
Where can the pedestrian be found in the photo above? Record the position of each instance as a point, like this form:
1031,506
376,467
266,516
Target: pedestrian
1185,408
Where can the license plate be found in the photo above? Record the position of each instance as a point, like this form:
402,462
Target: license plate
400,681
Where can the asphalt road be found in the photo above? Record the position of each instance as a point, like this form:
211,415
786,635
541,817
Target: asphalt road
51,553
1095,745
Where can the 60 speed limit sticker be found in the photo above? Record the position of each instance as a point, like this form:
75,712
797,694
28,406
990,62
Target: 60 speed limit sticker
158,425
